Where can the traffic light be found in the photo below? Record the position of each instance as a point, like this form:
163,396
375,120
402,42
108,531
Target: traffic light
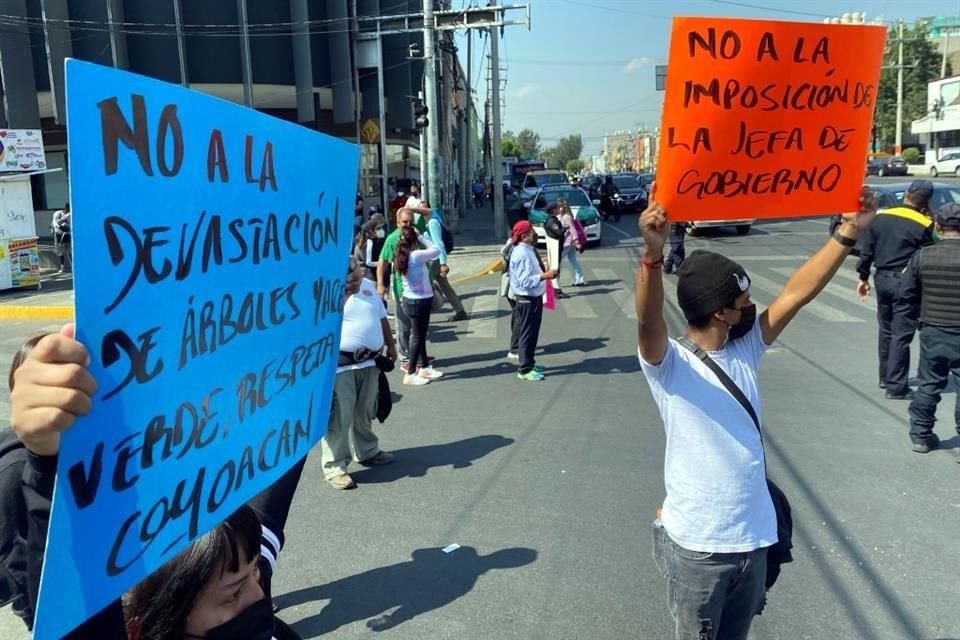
420,111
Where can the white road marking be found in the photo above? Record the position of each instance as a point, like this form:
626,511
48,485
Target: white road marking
846,294
819,309
483,315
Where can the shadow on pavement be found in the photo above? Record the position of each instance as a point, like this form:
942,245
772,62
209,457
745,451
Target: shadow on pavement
598,366
585,345
417,461
430,580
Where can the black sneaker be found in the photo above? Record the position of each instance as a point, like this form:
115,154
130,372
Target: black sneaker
928,446
907,395
562,295
882,384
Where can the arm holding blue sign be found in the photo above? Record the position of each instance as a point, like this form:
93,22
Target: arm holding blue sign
51,387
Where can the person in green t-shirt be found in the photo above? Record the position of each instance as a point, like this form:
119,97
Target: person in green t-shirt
385,270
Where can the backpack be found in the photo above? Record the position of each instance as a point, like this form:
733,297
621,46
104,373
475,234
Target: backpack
447,238
580,231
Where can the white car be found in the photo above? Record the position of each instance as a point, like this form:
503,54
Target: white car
742,226
543,178
580,206
949,163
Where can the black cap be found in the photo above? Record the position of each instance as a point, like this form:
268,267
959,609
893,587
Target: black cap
708,282
920,192
948,216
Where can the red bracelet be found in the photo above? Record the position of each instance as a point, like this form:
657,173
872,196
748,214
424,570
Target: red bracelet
652,265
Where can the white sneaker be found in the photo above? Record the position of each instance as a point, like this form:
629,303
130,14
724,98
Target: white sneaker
513,356
429,373
414,380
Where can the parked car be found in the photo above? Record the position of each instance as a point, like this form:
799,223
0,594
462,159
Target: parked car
949,163
889,166
633,197
891,195
742,226
580,205
536,179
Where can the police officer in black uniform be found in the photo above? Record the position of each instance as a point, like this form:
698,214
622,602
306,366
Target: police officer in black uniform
888,244
932,280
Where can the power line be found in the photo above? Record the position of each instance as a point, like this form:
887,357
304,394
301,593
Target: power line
747,5
616,10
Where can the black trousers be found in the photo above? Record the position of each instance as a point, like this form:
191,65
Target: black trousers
677,252
529,315
514,334
419,313
896,324
939,359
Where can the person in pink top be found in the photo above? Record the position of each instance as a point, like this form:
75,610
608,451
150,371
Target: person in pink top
411,262
571,244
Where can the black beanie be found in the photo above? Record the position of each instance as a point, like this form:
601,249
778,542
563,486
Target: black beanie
708,282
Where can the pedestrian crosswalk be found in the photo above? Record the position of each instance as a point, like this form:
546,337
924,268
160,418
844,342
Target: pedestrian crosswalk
610,292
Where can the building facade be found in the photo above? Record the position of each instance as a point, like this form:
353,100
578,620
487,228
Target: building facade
295,59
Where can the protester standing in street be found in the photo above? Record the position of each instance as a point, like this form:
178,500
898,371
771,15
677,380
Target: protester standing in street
932,282
412,264
571,243
394,288
678,231
719,518
527,282
418,207
62,238
363,336
888,246
507,292
369,243
439,269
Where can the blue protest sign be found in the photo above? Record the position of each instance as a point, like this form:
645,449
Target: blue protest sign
211,246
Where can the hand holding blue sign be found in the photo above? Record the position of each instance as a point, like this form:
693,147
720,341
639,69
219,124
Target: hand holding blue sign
211,252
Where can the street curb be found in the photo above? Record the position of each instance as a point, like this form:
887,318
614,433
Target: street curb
494,267
35,312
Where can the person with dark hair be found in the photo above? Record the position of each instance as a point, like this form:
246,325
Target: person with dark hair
364,334
721,517
888,246
608,191
218,588
932,283
412,264
673,262
439,269
62,237
369,243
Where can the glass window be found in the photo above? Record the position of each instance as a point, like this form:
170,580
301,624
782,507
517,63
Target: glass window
626,182
574,197
53,188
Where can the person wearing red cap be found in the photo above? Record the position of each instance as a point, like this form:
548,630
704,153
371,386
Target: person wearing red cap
527,278
724,529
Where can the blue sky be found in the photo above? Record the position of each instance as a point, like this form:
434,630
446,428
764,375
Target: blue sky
586,66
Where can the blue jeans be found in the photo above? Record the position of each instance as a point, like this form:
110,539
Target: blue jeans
712,596
570,253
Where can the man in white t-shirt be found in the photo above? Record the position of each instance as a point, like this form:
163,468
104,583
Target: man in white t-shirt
356,389
718,519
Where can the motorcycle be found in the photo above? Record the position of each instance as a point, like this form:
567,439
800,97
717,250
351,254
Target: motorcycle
611,207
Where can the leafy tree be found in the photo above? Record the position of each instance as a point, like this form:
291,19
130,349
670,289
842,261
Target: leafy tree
528,142
568,148
575,166
509,146
921,65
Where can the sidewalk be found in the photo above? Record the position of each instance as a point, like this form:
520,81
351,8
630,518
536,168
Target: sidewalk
476,249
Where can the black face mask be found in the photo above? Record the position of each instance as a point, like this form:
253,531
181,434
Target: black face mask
253,623
748,317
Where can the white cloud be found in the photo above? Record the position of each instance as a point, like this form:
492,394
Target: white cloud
635,64
528,90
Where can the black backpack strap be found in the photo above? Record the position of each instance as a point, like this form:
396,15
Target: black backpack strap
725,380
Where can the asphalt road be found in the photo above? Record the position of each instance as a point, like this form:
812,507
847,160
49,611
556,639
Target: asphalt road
550,487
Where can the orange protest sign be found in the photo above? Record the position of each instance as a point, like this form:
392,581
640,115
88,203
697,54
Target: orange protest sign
765,119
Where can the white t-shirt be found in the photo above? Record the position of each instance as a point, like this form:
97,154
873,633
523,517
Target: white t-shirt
361,324
413,202
717,497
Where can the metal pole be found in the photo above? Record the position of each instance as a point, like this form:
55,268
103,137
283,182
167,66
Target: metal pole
246,65
383,122
899,137
499,218
181,43
424,165
466,176
433,104
943,62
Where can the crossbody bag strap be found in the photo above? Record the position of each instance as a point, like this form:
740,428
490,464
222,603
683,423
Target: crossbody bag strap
725,380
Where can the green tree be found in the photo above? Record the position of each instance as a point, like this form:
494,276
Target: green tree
575,166
509,147
528,142
568,148
922,65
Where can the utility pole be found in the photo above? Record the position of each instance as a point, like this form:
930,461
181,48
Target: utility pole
466,173
430,95
898,144
499,216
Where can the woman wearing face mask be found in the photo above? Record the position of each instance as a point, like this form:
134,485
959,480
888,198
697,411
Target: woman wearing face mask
368,245
217,588
411,263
